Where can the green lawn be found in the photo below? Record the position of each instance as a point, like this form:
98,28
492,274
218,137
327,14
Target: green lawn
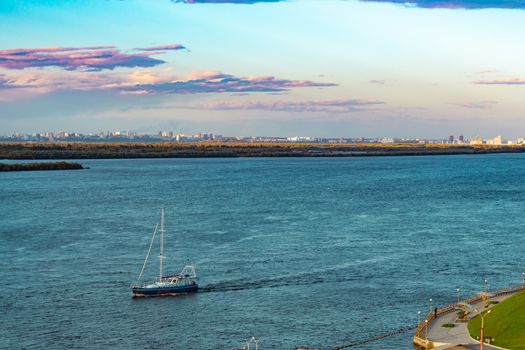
505,323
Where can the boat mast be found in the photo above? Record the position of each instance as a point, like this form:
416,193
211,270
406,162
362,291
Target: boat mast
161,256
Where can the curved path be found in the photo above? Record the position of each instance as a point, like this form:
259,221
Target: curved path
445,338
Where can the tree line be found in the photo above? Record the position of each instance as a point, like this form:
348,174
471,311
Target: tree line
40,166
88,150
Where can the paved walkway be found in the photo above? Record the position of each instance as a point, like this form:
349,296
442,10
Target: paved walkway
445,338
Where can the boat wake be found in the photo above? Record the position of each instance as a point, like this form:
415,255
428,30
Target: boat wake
277,282
332,274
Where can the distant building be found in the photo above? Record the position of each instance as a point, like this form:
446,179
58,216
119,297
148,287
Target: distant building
476,140
301,139
451,139
498,140
461,138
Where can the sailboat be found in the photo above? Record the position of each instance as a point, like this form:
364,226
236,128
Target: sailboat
181,283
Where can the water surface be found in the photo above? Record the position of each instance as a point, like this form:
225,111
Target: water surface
309,251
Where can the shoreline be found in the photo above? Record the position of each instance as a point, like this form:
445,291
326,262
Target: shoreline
40,166
433,335
84,150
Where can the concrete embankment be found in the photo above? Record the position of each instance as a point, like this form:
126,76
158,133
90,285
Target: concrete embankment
442,329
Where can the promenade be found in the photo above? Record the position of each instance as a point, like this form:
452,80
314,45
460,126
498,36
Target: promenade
443,338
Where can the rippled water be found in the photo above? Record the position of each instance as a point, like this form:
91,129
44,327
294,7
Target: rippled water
317,252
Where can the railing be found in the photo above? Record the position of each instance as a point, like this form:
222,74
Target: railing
452,307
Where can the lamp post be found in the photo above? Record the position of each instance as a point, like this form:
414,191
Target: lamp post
426,329
482,329
430,305
418,323
457,291
523,280
486,286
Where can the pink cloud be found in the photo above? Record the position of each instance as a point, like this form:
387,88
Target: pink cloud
512,81
488,71
93,58
218,83
162,48
146,82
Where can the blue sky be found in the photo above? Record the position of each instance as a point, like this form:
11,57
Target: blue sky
303,67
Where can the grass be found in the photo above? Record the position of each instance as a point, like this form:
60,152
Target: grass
505,323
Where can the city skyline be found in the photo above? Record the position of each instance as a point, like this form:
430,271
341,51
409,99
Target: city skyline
419,69
179,136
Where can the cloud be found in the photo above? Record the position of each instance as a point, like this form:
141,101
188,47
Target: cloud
6,83
512,81
216,82
143,82
93,58
32,82
246,2
328,106
465,4
478,105
446,4
162,48
488,71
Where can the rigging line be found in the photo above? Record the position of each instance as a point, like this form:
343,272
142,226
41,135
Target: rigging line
147,255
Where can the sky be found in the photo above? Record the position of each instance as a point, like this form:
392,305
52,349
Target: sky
320,68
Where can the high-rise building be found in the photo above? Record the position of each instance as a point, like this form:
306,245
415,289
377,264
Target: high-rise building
451,139
498,140
461,138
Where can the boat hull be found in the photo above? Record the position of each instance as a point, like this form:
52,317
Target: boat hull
163,291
